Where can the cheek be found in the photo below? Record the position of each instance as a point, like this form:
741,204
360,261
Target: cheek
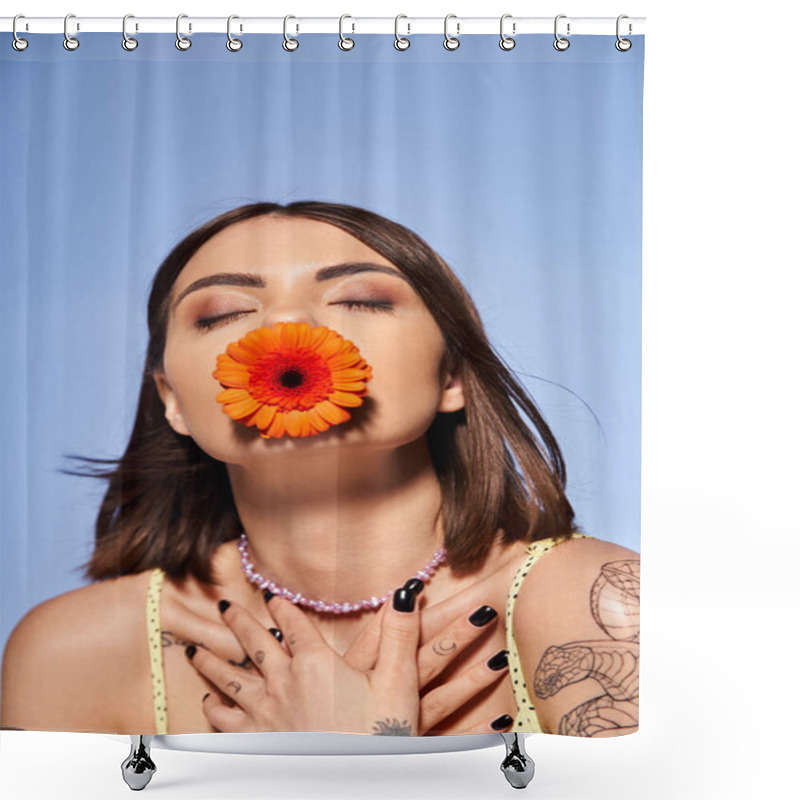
190,375
405,383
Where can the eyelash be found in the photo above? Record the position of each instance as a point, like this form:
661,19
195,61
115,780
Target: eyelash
378,305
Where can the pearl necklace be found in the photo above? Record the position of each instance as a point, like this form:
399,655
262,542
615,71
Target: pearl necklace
320,605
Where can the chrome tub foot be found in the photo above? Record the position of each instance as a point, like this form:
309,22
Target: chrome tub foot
517,766
138,768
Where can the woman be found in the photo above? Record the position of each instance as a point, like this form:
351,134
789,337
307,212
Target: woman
424,459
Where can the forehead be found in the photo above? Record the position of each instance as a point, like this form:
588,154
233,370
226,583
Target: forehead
274,244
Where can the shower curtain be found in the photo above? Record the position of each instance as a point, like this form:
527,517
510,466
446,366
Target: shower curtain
321,356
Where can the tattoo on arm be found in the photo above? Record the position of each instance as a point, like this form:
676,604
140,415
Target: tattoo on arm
391,727
612,662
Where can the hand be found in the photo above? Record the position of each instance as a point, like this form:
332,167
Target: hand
311,687
449,629
450,633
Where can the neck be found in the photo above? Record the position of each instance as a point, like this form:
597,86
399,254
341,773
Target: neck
340,526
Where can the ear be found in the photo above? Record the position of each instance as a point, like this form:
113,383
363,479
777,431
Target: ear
452,398
172,409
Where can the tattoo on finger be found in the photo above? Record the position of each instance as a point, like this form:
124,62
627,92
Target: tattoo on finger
445,647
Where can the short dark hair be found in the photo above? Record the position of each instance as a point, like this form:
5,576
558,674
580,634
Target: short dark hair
169,504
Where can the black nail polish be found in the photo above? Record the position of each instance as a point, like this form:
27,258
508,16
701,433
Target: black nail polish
404,600
483,616
276,633
268,595
502,722
190,651
223,606
414,585
498,661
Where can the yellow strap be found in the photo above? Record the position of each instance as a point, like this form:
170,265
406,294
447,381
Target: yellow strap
156,655
526,719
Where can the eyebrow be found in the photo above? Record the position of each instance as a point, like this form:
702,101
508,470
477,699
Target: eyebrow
255,281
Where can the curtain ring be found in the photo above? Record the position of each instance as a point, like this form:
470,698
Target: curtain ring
18,43
233,44
344,42
289,43
128,42
561,43
70,42
623,45
182,43
506,42
400,42
451,42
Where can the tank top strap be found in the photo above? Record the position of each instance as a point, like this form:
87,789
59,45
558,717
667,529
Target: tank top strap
155,649
526,719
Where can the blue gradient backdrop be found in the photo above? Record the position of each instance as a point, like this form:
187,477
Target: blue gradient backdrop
522,168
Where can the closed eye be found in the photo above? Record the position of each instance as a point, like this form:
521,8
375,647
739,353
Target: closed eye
368,305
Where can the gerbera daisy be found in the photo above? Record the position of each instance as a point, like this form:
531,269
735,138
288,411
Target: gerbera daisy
291,379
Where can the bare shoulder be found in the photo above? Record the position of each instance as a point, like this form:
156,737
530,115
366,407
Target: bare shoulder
576,624
67,658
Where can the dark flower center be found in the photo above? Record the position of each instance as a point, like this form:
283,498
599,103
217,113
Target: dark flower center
291,378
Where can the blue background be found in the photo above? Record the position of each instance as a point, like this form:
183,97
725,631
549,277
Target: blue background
521,168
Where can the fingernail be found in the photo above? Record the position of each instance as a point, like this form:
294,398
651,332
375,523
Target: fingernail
268,595
414,585
498,661
404,600
223,606
207,694
483,616
276,633
190,651
502,722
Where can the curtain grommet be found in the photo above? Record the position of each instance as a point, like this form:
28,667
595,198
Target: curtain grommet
129,43
289,44
561,43
181,42
70,42
507,42
400,42
233,44
623,45
345,43
18,43
451,42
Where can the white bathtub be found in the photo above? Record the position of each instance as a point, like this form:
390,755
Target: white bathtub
138,768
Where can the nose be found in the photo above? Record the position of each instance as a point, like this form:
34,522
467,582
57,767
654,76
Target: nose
288,311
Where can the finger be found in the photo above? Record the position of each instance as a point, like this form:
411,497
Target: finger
261,646
191,628
298,631
396,665
499,724
437,654
435,618
363,651
183,626
225,718
440,703
231,681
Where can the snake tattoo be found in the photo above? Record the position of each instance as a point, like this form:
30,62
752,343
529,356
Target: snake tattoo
613,663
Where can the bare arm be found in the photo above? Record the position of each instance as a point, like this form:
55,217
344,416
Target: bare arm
63,664
577,626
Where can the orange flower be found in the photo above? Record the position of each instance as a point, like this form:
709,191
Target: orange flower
291,379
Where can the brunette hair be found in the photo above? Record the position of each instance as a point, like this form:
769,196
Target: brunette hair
169,504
